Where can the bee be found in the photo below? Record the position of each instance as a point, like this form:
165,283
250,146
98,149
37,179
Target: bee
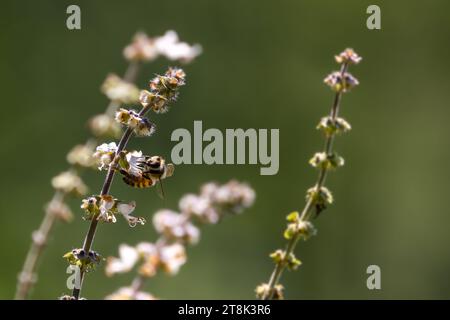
143,181
146,171
157,169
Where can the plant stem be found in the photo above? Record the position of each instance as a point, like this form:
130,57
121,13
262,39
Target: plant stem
306,212
27,277
89,239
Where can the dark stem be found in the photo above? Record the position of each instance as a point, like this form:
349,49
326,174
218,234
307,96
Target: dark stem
89,239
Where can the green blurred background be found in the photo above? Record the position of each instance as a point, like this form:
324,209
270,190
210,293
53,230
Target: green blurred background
262,67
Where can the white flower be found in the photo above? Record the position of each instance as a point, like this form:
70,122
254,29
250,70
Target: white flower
105,154
81,155
170,46
134,160
106,214
107,148
103,125
199,207
235,195
141,49
117,89
172,258
146,249
173,225
150,254
128,256
126,209
68,182
208,190
127,293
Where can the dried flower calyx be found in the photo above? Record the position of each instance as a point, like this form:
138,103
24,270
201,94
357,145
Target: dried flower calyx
105,208
140,124
263,291
326,161
279,256
341,82
85,261
320,198
332,126
163,90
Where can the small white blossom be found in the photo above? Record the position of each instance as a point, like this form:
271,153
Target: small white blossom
144,48
169,45
105,154
127,293
175,226
128,256
103,125
126,209
119,90
209,189
106,214
69,183
234,195
134,159
172,258
81,155
199,207
150,254
146,249
107,148
141,49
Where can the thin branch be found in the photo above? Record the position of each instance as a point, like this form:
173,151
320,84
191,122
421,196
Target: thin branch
28,276
307,210
89,239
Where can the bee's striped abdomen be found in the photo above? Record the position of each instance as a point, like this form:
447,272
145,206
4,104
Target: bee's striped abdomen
136,182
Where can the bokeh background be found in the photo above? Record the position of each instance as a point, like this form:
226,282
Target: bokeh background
262,67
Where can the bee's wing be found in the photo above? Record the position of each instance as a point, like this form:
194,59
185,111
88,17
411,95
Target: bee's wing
170,168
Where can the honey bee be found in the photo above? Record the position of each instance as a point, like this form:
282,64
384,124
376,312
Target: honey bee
151,170
143,181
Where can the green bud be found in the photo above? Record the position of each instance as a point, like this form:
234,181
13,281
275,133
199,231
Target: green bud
292,262
290,231
277,256
293,216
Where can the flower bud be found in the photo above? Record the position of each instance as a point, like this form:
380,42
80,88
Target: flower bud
348,56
